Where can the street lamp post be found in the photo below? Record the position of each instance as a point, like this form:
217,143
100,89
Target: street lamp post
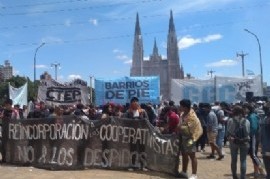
35,60
55,65
261,68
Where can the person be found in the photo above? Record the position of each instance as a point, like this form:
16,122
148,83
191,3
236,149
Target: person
135,112
108,110
7,114
221,125
202,117
265,142
254,130
172,120
234,124
151,113
119,111
190,131
41,111
212,131
80,113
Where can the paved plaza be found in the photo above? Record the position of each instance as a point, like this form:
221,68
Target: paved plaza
207,169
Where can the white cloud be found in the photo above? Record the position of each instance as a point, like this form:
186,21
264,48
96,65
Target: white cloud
50,39
121,56
93,22
67,23
211,38
42,66
222,63
188,41
117,51
73,76
128,62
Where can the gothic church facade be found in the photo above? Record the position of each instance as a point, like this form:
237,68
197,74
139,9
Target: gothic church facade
166,69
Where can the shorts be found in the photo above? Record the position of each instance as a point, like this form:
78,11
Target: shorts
212,137
187,147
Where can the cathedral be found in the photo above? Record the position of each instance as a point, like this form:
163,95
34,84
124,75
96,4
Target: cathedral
166,69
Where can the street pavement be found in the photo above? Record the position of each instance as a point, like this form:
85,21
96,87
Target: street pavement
207,169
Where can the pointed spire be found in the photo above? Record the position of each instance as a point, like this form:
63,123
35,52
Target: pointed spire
155,49
171,25
137,27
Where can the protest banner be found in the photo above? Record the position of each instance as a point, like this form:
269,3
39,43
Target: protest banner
68,143
228,89
54,93
18,95
121,90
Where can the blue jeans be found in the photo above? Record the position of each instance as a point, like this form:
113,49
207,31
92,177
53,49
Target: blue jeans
266,162
243,156
252,151
220,136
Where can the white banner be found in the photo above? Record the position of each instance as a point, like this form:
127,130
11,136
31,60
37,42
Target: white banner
229,89
18,95
55,93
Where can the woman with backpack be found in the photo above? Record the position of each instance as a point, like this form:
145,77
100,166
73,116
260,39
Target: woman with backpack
238,129
254,120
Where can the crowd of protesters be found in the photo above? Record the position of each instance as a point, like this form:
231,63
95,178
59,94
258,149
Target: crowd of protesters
197,125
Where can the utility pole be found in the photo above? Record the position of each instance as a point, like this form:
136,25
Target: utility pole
242,55
210,72
55,65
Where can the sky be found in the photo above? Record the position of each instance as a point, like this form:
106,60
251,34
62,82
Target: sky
95,37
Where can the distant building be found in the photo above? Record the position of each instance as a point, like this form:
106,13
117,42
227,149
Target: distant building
6,71
166,69
267,91
45,76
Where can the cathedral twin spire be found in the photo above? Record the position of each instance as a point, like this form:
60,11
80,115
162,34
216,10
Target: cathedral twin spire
171,32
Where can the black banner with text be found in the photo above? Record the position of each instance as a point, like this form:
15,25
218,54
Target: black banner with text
69,143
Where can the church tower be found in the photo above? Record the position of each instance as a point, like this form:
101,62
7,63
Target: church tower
173,52
166,69
137,57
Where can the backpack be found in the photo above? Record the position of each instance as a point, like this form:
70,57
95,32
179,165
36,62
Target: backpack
221,122
240,134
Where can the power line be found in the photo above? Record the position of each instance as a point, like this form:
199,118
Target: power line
117,4
104,20
79,8
40,4
107,20
126,35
